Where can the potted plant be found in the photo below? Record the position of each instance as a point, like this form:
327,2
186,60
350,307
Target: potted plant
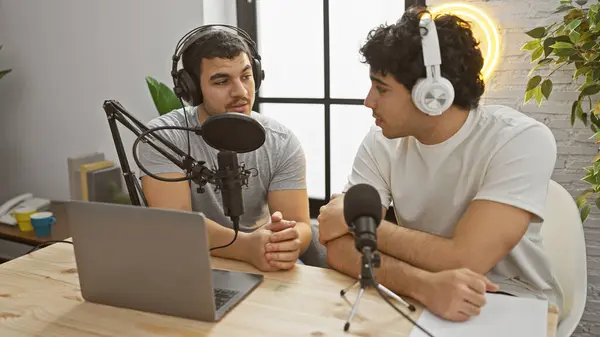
5,71
164,98
571,44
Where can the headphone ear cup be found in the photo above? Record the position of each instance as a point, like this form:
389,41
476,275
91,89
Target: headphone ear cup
258,73
186,88
416,94
445,86
433,97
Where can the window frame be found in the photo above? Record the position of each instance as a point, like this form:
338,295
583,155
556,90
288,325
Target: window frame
247,20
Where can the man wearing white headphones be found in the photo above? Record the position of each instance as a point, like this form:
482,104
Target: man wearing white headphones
468,182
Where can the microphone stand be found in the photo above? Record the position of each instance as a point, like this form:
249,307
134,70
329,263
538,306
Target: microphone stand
200,174
369,260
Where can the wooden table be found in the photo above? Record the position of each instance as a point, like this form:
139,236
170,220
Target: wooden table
60,230
39,296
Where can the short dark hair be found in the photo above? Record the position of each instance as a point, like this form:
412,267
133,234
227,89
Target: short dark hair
216,43
397,49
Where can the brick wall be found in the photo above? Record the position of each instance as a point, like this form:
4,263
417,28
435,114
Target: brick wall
575,150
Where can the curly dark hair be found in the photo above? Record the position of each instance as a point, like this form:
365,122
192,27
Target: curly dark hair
215,43
396,49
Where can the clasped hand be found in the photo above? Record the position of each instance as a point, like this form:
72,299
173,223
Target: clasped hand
332,223
276,245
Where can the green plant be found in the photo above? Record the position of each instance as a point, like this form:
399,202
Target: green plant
571,44
5,71
164,98
118,196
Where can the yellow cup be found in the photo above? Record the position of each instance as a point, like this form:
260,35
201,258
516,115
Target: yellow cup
23,216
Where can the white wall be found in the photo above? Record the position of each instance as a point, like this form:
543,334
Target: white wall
67,58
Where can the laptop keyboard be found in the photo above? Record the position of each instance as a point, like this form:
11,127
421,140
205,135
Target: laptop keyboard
223,296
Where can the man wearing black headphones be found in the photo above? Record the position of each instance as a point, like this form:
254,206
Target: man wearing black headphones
221,73
468,182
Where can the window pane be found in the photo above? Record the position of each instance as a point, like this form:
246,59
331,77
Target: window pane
307,122
350,22
290,35
349,125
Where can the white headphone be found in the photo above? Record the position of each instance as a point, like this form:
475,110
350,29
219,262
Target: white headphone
432,95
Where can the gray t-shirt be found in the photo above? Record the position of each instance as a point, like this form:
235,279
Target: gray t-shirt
280,162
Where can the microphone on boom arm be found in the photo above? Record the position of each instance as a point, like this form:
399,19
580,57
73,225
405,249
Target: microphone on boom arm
216,131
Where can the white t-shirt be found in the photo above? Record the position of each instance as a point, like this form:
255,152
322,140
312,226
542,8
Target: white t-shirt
499,154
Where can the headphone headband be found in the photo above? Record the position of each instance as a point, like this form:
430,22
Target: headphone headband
433,94
186,85
431,50
192,36
196,33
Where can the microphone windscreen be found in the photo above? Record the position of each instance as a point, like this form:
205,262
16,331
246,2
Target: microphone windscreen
362,200
233,131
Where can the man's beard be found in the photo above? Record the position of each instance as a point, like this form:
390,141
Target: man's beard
209,110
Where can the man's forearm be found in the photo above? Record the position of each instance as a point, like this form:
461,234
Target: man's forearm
219,235
305,233
423,250
398,276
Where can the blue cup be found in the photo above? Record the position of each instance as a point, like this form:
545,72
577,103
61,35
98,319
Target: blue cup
42,223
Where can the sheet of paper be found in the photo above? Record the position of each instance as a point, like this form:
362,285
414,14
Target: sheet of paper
502,316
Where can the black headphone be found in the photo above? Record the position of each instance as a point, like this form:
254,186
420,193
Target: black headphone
186,85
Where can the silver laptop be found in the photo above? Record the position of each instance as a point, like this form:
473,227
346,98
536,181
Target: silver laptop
151,260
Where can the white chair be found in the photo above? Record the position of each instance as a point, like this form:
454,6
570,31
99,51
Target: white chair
564,242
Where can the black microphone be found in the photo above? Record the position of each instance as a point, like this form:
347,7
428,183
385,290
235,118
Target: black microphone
362,212
217,130
230,179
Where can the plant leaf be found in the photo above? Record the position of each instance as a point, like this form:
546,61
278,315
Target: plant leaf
164,98
584,212
563,8
596,169
564,52
537,53
595,122
537,92
575,58
573,24
546,88
591,89
531,45
537,33
561,59
595,136
581,71
596,108
4,72
574,36
540,64
533,82
588,45
574,111
585,37
529,95
548,46
585,194
562,45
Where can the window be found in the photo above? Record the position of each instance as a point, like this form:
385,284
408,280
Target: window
315,82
